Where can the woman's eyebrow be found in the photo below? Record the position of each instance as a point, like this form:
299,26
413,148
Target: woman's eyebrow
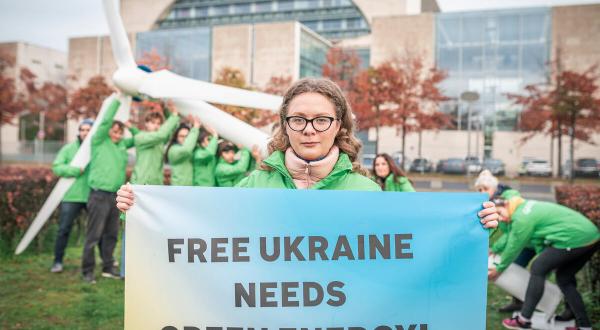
302,114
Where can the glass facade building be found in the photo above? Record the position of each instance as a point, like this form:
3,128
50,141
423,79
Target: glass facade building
493,53
333,19
186,51
313,53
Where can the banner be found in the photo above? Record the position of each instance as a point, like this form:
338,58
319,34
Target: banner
238,259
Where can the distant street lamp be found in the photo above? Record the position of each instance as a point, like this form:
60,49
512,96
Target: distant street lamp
469,97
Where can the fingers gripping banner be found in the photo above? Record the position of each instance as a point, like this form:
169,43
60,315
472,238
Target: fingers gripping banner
237,259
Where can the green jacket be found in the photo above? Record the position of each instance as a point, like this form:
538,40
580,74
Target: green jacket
340,178
546,224
109,160
403,184
149,149
229,175
205,161
504,227
180,159
79,191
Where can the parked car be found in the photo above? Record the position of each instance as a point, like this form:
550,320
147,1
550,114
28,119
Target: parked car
538,167
367,161
440,165
455,166
495,166
421,165
473,164
524,163
587,167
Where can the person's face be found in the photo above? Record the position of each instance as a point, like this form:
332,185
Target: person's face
382,168
228,156
115,133
152,125
84,130
487,190
308,143
182,134
503,213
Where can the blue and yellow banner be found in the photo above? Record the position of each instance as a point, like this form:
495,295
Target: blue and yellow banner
237,259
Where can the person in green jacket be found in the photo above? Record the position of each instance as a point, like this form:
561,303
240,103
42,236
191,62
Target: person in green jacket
149,147
230,171
564,240
106,174
180,152
313,148
389,176
487,183
76,197
205,158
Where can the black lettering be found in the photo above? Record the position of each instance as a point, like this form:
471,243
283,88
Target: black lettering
375,245
171,247
241,293
265,294
361,247
342,249
341,297
400,246
286,294
237,249
215,249
199,252
263,249
306,288
290,247
313,248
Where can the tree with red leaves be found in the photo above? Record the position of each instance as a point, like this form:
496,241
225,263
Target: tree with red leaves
86,101
10,101
568,105
399,93
342,66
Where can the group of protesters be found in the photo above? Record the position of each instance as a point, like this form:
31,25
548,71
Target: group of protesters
312,147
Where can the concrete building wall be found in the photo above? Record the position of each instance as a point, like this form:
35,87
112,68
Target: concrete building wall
232,47
141,15
576,33
276,51
399,36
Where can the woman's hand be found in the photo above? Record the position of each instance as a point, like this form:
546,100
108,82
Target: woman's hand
125,198
196,122
493,274
489,215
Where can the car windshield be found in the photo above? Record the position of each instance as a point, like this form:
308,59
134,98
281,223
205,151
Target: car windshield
586,162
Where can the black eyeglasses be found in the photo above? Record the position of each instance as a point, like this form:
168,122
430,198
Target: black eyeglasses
320,124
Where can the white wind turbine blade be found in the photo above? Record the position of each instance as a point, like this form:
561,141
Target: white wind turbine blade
166,84
225,124
81,159
118,37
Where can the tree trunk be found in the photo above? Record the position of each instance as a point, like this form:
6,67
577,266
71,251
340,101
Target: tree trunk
560,169
572,148
403,146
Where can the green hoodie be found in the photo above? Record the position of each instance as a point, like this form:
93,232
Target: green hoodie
205,161
546,224
403,184
180,159
149,148
79,191
229,175
109,160
340,178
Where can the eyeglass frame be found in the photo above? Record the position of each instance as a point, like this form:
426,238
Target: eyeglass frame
310,121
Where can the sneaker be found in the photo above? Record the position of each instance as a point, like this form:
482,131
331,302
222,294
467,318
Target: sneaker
111,273
515,324
89,278
57,267
514,306
565,316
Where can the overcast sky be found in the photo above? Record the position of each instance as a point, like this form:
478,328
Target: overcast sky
50,23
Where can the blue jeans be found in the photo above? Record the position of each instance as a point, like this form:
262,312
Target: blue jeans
69,211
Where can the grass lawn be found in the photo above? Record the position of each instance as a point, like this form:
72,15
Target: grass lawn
33,298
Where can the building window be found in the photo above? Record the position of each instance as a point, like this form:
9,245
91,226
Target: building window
219,10
242,8
334,24
201,11
183,13
285,5
262,7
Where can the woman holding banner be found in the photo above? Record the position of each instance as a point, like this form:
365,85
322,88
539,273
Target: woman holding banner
389,176
564,239
314,148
